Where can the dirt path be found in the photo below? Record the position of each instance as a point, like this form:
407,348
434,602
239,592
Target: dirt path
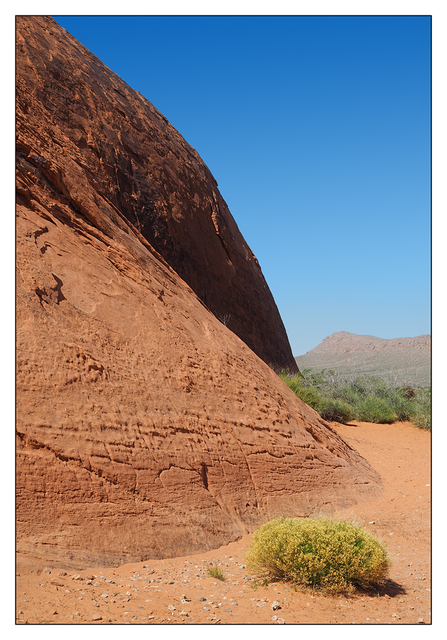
180,591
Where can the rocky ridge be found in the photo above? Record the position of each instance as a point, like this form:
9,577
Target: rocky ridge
403,360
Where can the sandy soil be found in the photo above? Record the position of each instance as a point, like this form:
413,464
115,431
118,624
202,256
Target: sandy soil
180,591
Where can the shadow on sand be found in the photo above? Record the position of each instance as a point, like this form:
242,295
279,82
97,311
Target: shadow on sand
388,588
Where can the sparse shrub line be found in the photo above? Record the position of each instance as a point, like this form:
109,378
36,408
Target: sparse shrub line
364,398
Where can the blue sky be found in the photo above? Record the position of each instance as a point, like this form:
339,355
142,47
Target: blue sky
317,130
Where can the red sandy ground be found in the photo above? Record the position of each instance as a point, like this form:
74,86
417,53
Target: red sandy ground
180,591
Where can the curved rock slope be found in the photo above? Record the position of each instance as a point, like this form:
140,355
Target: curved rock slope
129,155
145,427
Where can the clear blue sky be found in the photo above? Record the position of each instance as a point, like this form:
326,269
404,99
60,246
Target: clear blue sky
317,130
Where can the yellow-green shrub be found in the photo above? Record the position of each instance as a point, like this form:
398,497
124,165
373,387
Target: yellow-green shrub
332,555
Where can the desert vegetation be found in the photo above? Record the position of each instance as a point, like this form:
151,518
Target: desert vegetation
214,572
333,556
364,398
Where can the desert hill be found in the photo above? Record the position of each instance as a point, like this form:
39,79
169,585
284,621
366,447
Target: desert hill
145,427
405,360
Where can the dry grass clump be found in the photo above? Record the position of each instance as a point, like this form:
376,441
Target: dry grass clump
322,553
214,572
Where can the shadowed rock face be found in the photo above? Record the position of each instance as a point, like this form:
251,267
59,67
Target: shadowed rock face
133,158
145,427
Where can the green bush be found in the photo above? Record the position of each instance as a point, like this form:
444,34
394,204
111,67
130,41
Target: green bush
322,553
335,410
421,416
307,394
374,409
402,406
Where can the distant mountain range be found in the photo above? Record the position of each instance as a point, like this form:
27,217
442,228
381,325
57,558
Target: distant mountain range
404,360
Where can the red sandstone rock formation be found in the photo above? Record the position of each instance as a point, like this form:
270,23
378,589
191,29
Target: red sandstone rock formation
132,158
145,427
